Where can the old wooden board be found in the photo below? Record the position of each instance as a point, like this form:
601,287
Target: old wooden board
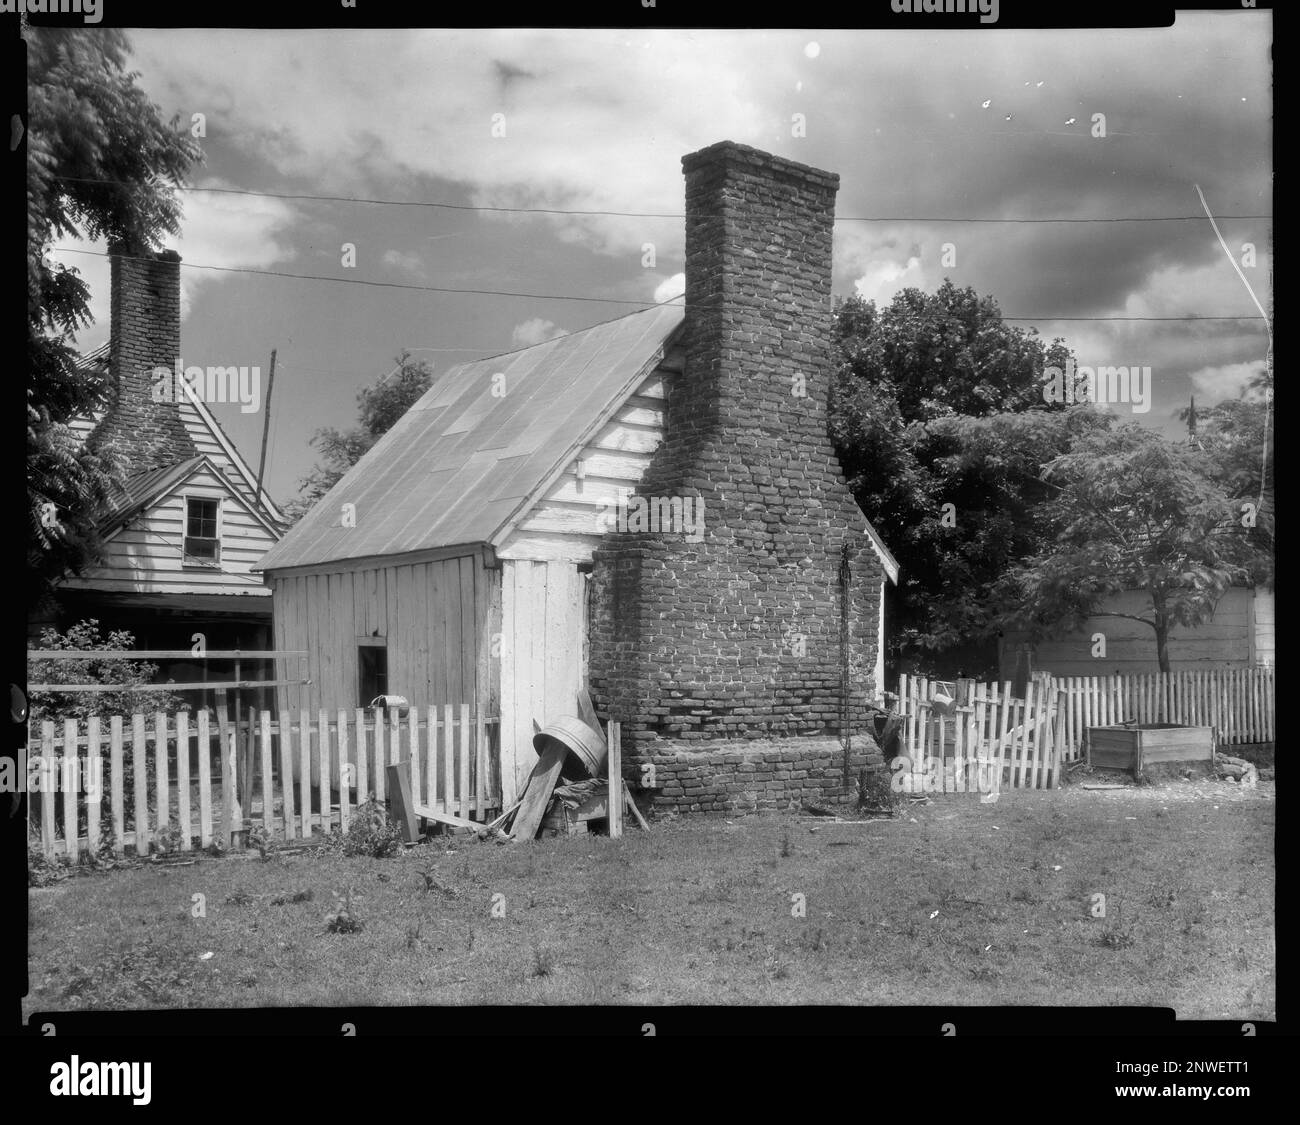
631,804
404,807
445,818
537,794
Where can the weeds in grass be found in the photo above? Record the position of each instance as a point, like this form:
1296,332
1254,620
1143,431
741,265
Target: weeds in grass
150,972
1116,935
169,840
876,791
787,849
297,896
432,883
543,962
239,898
342,919
413,935
42,871
814,941
1162,895
371,833
774,965
260,841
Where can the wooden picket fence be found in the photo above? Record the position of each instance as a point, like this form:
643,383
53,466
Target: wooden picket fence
977,738
264,770
1239,703
985,737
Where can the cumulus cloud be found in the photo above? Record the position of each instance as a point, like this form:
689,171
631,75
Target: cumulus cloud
671,289
228,231
883,278
534,331
405,262
1215,384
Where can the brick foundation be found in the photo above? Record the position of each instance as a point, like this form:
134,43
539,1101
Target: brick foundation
753,776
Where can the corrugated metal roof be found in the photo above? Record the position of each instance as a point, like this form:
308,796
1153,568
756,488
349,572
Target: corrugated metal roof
463,460
143,487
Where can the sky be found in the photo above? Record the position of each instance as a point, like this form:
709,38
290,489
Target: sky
923,129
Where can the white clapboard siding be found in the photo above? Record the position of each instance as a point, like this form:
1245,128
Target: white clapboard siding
567,522
147,554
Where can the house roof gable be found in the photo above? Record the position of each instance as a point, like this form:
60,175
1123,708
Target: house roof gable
478,448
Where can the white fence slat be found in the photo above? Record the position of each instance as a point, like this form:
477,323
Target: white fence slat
94,783
304,772
162,791
183,812
268,778
286,774
68,786
347,773
326,772
205,780
139,760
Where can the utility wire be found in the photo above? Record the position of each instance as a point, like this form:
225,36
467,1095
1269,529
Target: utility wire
567,297
643,214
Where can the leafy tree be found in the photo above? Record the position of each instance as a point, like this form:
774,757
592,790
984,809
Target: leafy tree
1237,436
1132,512
101,164
379,406
937,401
126,675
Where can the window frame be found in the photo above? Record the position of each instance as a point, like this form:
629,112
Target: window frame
200,562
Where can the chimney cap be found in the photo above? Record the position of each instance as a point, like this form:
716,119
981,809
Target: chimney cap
122,249
729,152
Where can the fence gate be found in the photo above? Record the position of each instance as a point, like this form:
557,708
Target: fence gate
964,737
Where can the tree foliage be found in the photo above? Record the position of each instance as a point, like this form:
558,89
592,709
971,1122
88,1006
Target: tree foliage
379,406
125,675
1237,437
937,401
101,164
1132,511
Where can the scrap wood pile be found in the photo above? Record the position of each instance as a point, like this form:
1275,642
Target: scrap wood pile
565,789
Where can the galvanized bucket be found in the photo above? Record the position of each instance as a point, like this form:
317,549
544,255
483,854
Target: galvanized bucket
585,745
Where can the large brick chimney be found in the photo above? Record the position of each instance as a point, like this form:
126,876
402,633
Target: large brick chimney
145,333
723,657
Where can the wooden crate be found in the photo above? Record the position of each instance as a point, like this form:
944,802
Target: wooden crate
1136,747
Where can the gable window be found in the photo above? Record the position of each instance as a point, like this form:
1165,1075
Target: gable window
372,670
202,544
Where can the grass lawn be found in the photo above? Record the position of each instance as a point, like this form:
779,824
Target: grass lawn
953,902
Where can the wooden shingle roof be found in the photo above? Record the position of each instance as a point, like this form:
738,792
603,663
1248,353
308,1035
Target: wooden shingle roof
471,455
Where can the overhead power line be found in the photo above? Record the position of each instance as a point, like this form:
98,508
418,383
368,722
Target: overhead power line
565,296
652,214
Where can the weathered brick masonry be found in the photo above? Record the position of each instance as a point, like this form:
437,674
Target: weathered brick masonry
145,332
722,657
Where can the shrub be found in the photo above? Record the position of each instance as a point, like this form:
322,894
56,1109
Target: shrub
128,675
42,872
372,832
876,791
169,839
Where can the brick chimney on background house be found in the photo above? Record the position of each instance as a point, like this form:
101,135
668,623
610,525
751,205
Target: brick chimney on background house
724,657
145,333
